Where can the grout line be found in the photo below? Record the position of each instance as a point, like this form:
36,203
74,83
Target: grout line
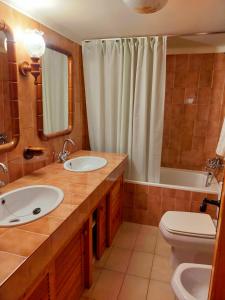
92,288
28,231
131,254
154,254
14,254
150,275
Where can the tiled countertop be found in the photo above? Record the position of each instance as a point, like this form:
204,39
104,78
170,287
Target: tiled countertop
26,249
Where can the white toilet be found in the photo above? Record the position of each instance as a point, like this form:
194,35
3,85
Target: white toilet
191,236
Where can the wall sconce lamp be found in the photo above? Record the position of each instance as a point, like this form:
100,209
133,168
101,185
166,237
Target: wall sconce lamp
35,46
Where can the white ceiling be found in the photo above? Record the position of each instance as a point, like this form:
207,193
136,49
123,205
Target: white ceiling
210,43
89,19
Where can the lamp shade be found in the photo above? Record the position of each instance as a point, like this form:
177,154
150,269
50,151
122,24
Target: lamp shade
145,6
34,43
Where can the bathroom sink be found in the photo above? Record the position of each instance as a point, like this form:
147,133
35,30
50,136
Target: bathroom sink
27,204
85,163
191,281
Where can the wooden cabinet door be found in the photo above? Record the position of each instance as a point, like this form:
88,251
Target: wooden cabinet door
217,286
41,291
69,275
101,228
114,210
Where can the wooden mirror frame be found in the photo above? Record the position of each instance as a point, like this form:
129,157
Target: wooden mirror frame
13,88
40,122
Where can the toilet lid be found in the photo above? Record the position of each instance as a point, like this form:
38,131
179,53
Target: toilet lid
194,224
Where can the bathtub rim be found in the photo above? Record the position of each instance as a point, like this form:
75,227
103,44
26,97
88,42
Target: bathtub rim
175,187
215,188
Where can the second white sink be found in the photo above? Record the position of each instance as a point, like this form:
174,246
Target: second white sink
191,281
85,163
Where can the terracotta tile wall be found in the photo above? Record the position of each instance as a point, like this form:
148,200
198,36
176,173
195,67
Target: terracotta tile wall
146,204
27,102
191,131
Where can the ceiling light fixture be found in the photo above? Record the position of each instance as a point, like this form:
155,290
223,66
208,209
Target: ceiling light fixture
145,6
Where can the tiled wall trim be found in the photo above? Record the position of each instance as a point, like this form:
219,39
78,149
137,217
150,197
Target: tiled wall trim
146,204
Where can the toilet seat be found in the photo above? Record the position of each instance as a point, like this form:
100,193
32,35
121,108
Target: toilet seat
189,224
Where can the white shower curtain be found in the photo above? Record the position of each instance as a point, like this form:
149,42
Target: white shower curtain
125,91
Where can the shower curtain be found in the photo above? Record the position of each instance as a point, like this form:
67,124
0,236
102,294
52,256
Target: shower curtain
55,91
125,92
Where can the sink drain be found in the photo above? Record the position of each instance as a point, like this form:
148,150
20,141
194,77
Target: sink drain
14,220
36,211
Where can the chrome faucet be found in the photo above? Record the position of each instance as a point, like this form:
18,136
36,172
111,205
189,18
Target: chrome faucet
3,138
212,167
4,169
209,178
63,155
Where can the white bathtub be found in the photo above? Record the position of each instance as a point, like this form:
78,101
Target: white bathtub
184,180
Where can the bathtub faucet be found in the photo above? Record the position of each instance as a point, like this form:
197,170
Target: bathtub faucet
215,163
212,167
209,179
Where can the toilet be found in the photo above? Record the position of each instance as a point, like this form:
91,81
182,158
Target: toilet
191,236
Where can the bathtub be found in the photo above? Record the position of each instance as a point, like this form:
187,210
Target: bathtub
181,190
188,180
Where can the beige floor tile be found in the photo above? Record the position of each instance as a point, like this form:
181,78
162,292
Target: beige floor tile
101,263
160,291
161,268
147,229
126,235
96,274
162,247
125,240
108,285
118,259
134,288
146,239
130,227
140,264
109,282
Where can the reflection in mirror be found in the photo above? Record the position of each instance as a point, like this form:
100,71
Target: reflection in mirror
55,91
194,110
9,112
5,120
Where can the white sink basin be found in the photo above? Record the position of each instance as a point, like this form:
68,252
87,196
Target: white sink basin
27,204
85,163
191,281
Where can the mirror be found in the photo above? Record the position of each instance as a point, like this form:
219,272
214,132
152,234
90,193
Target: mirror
5,123
195,100
9,118
55,102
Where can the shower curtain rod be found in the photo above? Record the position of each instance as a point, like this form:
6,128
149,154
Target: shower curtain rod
168,35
